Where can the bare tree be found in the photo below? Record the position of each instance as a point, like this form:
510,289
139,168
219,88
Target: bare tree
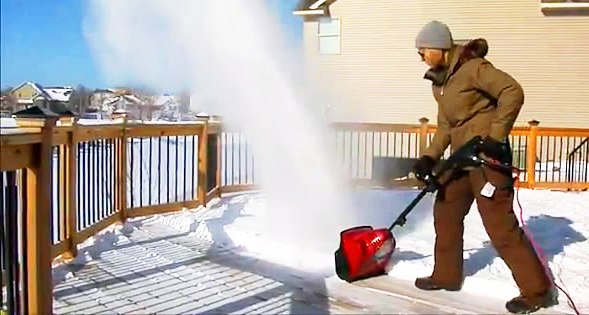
8,102
80,99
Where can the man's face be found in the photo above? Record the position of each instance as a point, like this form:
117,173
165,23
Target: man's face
432,57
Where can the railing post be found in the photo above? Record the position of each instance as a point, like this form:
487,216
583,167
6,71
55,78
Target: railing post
70,192
38,218
121,202
201,194
423,131
531,153
218,170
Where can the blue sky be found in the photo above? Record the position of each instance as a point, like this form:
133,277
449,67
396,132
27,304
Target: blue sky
42,41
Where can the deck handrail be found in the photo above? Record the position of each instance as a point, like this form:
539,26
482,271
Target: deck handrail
570,159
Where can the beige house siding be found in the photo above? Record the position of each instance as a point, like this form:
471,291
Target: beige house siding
25,92
377,77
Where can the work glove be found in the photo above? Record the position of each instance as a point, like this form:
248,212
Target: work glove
423,167
495,149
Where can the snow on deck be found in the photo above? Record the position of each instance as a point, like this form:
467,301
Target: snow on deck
218,260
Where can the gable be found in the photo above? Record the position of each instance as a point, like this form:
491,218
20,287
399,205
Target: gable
27,90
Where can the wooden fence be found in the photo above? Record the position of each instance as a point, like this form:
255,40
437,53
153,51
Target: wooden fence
554,158
63,182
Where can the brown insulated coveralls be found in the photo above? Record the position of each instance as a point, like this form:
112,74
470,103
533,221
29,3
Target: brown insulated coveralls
478,99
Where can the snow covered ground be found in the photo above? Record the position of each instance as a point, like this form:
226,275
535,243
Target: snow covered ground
559,222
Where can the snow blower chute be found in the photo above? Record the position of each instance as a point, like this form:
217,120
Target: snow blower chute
365,252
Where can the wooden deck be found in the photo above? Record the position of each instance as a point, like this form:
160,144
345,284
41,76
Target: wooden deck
66,181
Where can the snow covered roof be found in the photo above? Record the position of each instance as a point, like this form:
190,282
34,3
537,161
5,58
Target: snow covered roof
56,93
61,94
133,99
312,7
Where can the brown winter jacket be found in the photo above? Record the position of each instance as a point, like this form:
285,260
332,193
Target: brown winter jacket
474,98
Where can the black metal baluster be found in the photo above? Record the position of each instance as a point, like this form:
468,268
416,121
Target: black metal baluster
542,159
24,245
185,168
150,165
88,192
53,203
132,171
102,178
168,169
11,250
96,180
159,170
176,172
225,158
111,169
526,158
140,166
80,180
193,168
586,177
3,236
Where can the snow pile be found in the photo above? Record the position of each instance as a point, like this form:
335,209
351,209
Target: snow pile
90,250
559,223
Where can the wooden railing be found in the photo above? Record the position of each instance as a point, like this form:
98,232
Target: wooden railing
25,162
554,158
64,182
67,181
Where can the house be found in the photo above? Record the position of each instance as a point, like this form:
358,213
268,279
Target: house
108,101
362,55
105,102
33,94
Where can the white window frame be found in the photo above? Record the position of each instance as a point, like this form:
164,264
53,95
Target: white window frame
338,35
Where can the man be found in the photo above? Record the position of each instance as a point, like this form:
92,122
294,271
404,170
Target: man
474,98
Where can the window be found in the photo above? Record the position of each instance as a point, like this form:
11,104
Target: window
565,7
329,35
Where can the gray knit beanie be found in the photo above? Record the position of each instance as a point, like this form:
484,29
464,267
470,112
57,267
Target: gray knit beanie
434,35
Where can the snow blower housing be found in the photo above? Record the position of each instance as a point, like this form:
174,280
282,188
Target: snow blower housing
365,252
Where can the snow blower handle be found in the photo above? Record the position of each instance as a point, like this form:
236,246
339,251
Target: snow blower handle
463,158
431,185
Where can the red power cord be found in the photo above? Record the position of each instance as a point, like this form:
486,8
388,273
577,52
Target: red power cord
516,171
538,249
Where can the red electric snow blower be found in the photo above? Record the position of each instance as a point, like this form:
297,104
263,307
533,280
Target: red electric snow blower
365,252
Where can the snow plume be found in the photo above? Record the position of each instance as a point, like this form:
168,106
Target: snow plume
234,54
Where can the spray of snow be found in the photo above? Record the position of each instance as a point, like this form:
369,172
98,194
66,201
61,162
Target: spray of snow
234,55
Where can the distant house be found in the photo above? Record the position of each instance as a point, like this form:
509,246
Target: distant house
30,94
362,55
109,101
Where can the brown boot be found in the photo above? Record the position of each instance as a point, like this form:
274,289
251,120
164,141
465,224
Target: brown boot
522,305
428,284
